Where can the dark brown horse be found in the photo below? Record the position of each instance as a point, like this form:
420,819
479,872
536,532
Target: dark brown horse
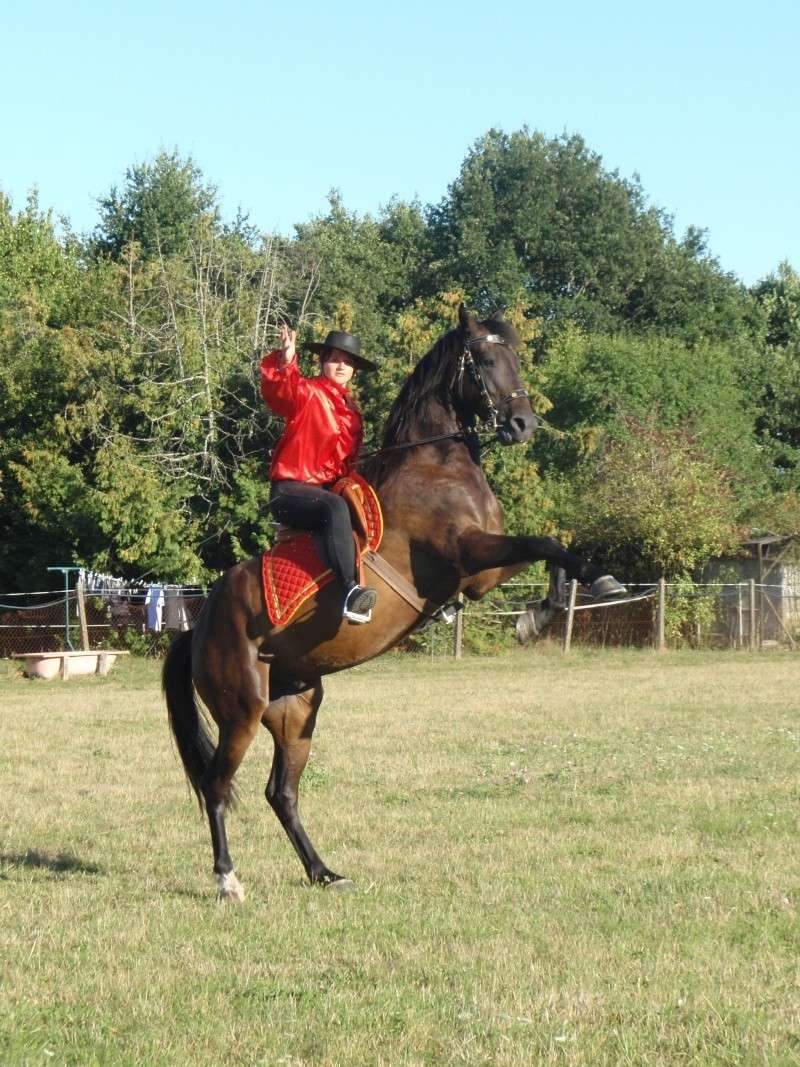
443,534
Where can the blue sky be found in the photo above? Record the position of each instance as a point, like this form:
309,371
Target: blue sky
278,104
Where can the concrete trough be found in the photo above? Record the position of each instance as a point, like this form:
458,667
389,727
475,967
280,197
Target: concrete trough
68,664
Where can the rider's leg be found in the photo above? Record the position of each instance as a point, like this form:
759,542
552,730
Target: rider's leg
310,507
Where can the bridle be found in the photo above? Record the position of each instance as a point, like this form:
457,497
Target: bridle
467,363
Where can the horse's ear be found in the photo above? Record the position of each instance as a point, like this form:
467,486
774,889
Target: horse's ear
467,320
497,316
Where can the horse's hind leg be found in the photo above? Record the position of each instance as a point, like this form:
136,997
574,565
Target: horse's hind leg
290,718
232,680
217,789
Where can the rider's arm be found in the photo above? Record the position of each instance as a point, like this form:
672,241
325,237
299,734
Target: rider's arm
282,385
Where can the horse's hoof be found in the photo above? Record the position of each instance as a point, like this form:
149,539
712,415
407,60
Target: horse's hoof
527,627
231,898
230,889
341,885
607,588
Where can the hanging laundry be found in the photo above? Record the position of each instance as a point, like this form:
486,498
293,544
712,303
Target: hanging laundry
154,606
175,614
168,607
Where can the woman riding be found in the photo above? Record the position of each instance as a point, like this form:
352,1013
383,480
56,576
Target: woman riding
323,434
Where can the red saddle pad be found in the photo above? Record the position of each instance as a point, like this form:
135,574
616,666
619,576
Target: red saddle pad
292,570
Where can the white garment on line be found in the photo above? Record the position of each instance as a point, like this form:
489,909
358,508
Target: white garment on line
154,606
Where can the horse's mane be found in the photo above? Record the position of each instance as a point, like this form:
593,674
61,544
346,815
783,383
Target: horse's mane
426,386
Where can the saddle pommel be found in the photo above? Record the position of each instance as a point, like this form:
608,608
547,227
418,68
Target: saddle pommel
353,495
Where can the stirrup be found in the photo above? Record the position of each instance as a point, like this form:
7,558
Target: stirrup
448,612
358,604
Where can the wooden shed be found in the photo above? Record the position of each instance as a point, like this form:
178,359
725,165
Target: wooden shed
772,563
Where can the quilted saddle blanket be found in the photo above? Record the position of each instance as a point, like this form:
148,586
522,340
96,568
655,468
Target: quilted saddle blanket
293,571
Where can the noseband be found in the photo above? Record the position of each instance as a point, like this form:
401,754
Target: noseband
469,364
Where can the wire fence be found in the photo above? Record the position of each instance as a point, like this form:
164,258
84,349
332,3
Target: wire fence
714,615
51,621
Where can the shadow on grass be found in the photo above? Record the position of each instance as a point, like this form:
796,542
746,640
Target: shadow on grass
63,863
200,896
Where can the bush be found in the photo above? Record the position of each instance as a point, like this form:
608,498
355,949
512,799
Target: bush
652,502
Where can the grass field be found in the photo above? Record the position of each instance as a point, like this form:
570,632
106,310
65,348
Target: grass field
589,860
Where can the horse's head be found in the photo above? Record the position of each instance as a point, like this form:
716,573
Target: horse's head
487,383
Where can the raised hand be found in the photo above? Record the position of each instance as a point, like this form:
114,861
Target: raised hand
288,339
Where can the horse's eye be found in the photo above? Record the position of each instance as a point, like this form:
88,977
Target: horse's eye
487,363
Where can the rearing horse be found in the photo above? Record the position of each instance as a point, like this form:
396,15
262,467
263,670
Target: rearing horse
443,534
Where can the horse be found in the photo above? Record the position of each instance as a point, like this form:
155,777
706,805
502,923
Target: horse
443,534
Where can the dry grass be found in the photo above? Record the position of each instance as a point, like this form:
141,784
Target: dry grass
582,861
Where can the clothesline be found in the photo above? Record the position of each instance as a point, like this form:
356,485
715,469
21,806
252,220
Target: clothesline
98,583
164,603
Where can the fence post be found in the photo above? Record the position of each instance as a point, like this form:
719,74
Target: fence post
661,618
79,594
739,617
573,593
458,629
752,614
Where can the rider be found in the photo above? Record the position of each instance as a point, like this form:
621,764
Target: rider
323,434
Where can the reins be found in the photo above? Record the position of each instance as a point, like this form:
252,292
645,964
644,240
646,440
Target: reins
456,435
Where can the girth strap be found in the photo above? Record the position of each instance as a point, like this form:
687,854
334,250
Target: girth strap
378,565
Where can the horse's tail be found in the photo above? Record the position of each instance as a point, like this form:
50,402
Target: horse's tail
188,728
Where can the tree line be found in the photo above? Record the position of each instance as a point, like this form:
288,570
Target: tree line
133,437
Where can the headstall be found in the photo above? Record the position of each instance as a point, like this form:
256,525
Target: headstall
469,364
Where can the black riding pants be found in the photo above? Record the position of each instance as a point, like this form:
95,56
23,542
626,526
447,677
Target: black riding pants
310,507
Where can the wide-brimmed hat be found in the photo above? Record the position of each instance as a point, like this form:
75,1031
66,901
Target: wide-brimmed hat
345,342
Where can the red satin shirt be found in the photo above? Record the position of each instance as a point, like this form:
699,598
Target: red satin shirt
323,431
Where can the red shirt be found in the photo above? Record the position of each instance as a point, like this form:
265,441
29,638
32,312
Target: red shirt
323,431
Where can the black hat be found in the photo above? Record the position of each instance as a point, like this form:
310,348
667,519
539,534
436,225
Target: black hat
345,342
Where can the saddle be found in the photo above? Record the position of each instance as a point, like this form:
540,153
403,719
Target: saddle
359,496
293,570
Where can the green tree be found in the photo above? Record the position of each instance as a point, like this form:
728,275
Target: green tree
775,374
50,326
178,401
162,206
540,221
367,268
132,433
598,382
779,295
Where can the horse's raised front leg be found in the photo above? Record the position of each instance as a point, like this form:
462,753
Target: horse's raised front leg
495,558
291,718
539,613
482,551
